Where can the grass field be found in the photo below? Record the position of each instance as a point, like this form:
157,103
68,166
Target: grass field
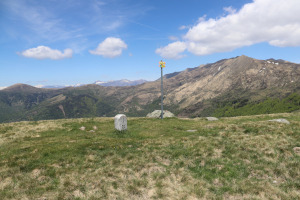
233,158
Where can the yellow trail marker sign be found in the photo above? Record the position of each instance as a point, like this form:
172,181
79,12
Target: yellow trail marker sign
162,64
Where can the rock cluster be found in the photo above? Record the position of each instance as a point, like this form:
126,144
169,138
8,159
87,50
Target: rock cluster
157,113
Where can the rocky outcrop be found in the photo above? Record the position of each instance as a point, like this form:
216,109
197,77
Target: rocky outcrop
157,114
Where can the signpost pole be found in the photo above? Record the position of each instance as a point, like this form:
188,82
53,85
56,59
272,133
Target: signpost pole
162,95
162,65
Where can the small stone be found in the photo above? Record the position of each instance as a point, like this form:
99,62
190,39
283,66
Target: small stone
92,131
82,128
284,121
95,127
191,130
212,118
121,122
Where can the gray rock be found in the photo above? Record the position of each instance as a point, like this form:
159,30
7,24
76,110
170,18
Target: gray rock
82,128
157,113
120,122
284,121
212,118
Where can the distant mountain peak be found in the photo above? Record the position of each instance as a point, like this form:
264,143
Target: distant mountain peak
20,87
244,58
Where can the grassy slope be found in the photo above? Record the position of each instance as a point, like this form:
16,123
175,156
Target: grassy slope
269,105
238,158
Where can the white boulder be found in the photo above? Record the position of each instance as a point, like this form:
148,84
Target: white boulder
121,122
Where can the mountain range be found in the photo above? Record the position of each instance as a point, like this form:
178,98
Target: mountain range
229,87
123,82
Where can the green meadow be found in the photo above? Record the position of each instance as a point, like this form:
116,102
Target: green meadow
234,158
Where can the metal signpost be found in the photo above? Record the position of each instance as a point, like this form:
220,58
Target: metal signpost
162,65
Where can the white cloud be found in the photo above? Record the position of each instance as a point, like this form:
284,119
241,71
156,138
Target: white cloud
229,9
201,19
1,88
173,38
44,52
172,51
276,22
111,47
183,27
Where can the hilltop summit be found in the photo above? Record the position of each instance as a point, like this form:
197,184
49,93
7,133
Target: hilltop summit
19,87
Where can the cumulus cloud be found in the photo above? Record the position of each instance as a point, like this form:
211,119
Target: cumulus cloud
111,47
1,88
172,51
44,52
275,22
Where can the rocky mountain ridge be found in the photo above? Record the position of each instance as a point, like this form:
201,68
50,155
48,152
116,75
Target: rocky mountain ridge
241,75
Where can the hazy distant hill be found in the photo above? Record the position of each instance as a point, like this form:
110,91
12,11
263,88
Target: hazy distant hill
123,82
229,87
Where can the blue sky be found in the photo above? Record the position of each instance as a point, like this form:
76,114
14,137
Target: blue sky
54,42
